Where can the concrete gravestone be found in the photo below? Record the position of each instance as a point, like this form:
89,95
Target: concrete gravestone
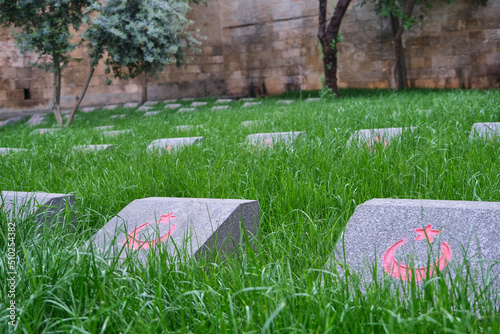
173,106
253,123
7,150
186,109
104,127
11,120
224,101
151,103
285,101
198,104
370,138
45,207
118,116
251,104
151,113
187,127
413,239
269,139
111,107
144,108
196,226
44,131
88,109
131,105
169,144
313,99
86,148
220,107
485,130
35,120
115,132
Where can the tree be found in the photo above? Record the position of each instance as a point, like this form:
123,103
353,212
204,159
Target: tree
45,29
328,34
138,37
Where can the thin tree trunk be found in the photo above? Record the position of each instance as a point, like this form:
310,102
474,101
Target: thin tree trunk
56,106
144,96
82,95
328,37
399,78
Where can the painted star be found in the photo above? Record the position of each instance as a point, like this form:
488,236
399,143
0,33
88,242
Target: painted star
426,233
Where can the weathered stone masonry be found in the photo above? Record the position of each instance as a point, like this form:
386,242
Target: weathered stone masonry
267,47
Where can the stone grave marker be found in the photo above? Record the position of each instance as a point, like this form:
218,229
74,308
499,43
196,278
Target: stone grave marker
8,150
170,144
253,123
87,148
198,104
370,138
186,109
151,103
111,107
187,127
144,108
224,101
251,104
88,109
169,101
193,226
44,207
187,99
35,120
413,239
44,131
285,101
119,116
220,107
313,99
131,105
173,106
11,120
248,99
485,130
151,113
115,132
269,139
104,127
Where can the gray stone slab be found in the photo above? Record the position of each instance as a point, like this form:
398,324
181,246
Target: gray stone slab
186,109
104,127
224,101
169,101
198,104
313,99
410,239
369,138
8,150
194,227
188,99
35,120
119,116
88,109
44,131
12,120
269,139
46,208
251,104
144,108
170,144
248,99
151,103
253,123
87,148
173,106
485,130
151,113
285,101
131,105
111,107
187,127
116,133
220,107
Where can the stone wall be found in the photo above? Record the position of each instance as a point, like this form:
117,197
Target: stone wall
267,47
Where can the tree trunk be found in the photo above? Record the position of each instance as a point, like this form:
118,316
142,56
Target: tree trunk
144,96
399,79
82,95
328,37
56,102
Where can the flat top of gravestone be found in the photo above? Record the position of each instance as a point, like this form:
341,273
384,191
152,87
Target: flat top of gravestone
93,147
186,109
7,150
104,127
174,223
44,131
406,233
251,104
115,132
384,134
224,100
181,141
485,129
173,106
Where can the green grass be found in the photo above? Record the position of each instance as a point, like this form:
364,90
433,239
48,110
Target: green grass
307,193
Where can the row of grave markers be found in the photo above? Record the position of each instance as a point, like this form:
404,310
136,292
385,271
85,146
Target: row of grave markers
405,240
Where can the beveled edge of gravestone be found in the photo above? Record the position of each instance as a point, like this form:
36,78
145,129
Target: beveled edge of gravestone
359,262
178,141
86,148
185,110
482,129
8,150
229,226
220,107
367,134
43,131
41,203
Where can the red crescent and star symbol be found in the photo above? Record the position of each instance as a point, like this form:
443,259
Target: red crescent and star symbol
136,244
405,272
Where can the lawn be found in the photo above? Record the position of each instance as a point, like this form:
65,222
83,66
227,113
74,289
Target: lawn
307,193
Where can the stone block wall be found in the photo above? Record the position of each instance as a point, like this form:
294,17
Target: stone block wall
267,47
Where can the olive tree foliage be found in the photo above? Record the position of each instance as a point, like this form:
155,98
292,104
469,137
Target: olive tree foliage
328,35
44,28
403,17
136,37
